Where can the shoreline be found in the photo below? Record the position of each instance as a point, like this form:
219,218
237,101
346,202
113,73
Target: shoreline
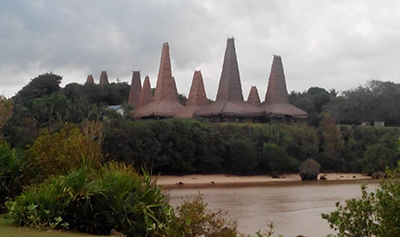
220,180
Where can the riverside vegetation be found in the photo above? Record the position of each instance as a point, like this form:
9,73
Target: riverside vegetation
65,160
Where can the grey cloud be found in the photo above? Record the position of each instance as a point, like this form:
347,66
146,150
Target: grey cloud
333,44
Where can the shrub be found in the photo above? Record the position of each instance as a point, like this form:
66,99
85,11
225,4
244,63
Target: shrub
309,169
113,197
6,108
375,214
377,157
12,165
62,151
194,219
278,160
241,157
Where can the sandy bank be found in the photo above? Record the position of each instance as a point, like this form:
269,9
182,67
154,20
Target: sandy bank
231,180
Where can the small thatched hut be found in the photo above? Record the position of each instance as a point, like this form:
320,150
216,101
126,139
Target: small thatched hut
197,97
276,103
254,98
230,103
90,79
146,95
136,88
165,102
103,78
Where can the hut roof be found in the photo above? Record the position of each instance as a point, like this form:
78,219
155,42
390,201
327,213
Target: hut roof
165,102
229,101
158,108
254,98
276,91
237,109
276,102
136,88
146,95
284,109
103,78
230,87
90,79
197,97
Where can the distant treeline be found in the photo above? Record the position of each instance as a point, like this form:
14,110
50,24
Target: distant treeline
330,135
375,101
189,146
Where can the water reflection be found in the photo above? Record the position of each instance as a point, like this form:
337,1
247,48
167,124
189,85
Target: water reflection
294,208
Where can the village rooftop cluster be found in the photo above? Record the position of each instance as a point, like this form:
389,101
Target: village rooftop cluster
229,104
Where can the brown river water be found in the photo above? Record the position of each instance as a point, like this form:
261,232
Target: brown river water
295,208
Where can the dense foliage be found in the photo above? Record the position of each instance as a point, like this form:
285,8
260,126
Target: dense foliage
53,142
6,107
375,101
44,104
62,151
309,170
189,146
13,172
94,201
375,214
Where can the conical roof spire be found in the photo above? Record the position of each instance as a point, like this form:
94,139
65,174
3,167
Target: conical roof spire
103,78
166,87
146,95
136,88
90,79
197,97
254,98
276,102
229,103
230,87
276,91
165,102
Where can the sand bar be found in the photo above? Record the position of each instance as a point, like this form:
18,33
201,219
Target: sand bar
189,181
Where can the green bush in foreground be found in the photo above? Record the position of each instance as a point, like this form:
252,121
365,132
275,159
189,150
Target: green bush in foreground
194,219
12,165
375,214
114,197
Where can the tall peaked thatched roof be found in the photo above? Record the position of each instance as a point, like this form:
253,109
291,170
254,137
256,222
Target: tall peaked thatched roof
165,87
136,88
146,96
276,91
90,79
103,78
197,97
254,98
165,102
229,101
230,87
276,102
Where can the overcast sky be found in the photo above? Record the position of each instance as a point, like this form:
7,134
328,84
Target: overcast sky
331,44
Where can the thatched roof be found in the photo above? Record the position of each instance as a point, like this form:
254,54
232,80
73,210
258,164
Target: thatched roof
197,97
236,109
229,101
276,102
146,96
230,87
103,78
90,79
254,98
136,88
283,109
165,102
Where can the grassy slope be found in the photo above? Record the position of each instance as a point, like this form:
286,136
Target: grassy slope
6,230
